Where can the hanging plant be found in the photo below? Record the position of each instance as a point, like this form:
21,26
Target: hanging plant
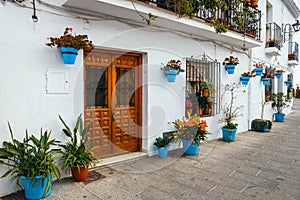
69,45
230,63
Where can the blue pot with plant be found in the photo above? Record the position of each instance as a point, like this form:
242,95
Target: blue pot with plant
190,130
31,160
172,69
162,144
229,132
70,45
278,73
265,81
287,83
259,68
190,147
279,102
230,63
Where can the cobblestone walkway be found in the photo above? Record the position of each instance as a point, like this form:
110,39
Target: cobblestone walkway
255,166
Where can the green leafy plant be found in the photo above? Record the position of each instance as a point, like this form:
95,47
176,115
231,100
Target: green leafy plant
75,152
162,141
30,157
68,40
279,102
259,124
219,26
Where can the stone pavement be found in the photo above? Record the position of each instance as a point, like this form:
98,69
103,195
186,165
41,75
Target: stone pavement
256,166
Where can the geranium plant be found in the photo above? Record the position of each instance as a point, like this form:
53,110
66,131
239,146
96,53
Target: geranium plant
250,74
173,65
68,40
259,65
231,60
190,128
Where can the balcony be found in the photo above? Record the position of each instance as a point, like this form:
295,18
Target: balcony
293,53
239,17
242,21
273,35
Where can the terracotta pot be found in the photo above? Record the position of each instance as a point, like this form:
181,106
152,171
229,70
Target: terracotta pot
80,175
254,3
247,1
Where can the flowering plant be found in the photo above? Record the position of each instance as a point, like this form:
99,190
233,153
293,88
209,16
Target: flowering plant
192,128
259,65
231,60
250,74
267,75
173,64
68,40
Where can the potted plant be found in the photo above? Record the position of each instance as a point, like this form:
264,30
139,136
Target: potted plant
273,43
162,144
287,83
172,69
259,68
266,76
279,102
190,131
230,113
261,125
75,154
292,56
245,77
70,45
254,3
32,161
278,73
230,63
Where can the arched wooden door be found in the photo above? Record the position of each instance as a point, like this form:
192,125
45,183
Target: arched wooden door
113,101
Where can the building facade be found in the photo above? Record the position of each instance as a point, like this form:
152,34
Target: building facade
119,86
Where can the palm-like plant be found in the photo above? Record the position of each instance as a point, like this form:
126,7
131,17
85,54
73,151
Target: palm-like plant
76,152
30,157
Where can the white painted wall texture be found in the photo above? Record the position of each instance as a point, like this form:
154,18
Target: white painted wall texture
25,59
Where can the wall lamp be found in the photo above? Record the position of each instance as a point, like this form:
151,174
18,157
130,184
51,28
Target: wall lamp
296,27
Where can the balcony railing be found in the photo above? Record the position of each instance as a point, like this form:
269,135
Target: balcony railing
293,53
238,16
273,35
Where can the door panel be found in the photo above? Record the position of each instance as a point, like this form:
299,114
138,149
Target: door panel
112,101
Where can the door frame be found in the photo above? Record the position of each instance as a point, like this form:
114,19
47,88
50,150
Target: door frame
139,91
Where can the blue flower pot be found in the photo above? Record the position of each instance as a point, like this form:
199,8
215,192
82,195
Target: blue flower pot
279,117
287,83
245,80
171,75
35,188
189,148
69,54
259,71
265,81
229,134
230,68
163,152
278,74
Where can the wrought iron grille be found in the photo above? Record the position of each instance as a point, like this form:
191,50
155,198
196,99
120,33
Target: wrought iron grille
198,73
238,15
273,35
293,53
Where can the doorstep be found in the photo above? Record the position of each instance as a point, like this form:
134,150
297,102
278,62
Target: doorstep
120,158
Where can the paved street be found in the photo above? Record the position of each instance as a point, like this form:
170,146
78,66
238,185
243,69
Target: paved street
256,166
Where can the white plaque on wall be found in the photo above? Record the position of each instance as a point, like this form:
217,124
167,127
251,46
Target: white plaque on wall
57,81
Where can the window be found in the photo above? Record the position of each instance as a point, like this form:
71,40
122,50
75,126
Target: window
203,86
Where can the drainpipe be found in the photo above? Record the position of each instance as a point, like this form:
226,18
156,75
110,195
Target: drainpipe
250,92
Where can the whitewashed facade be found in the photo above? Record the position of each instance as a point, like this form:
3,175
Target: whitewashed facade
31,98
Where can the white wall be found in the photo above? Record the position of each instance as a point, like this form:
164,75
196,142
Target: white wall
25,59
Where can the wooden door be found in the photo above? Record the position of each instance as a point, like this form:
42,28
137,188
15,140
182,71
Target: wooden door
113,99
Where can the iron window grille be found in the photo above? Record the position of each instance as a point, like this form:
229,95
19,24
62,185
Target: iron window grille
199,72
